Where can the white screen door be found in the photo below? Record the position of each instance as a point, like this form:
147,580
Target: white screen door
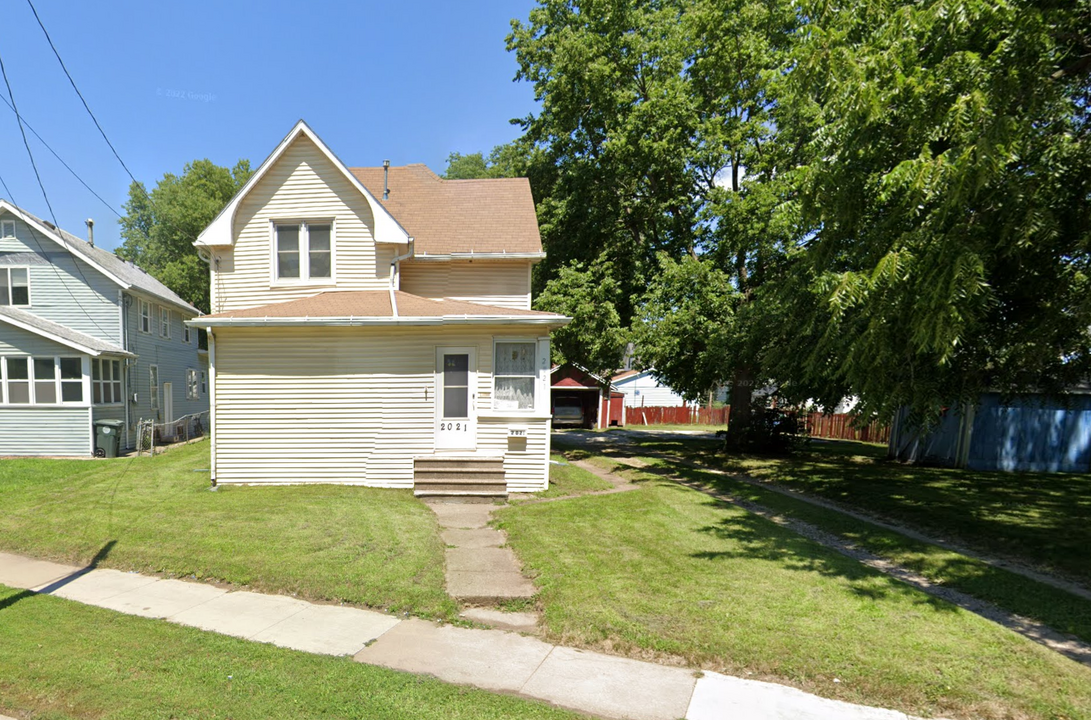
456,396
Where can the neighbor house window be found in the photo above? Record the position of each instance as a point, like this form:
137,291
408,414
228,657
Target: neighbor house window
43,380
153,382
145,316
7,228
193,390
514,376
185,332
164,322
204,383
304,251
105,381
14,286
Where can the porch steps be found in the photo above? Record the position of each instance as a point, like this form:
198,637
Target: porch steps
464,478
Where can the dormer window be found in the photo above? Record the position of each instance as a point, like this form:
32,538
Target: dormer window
303,251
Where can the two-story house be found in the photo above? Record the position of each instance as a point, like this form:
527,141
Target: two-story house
86,336
372,326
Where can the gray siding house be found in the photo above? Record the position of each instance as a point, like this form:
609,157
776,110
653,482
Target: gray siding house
86,336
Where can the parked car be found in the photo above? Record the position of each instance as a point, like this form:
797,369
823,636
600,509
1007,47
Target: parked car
568,412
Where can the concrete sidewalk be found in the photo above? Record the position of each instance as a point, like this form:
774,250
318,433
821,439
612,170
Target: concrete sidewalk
588,682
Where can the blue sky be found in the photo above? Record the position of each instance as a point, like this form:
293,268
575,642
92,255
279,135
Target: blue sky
407,80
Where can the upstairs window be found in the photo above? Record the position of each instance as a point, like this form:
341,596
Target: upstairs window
145,316
514,376
185,333
7,228
164,322
15,286
303,251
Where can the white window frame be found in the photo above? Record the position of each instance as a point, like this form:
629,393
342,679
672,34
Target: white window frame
193,389
145,317
153,388
164,322
537,402
304,252
7,269
4,225
204,383
119,396
32,379
185,333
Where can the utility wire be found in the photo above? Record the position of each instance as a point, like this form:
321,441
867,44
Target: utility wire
61,160
73,82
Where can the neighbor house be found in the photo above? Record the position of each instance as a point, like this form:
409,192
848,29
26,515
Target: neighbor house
641,389
372,326
86,336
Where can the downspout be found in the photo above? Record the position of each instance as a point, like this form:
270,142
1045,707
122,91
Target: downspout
395,277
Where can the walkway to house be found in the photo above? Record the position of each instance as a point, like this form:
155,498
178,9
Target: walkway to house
602,685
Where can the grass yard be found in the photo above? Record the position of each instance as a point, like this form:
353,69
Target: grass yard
1042,519
566,479
66,660
668,571
379,548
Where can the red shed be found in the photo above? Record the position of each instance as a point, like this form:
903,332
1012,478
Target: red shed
577,399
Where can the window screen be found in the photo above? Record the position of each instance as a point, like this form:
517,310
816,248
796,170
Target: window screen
514,376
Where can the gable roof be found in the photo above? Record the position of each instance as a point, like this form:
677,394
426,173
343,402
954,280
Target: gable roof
123,273
377,307
59,333
219,232
459,217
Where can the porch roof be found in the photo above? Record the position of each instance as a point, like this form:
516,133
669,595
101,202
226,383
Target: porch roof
377,307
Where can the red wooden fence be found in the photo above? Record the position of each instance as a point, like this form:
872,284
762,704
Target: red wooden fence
819,425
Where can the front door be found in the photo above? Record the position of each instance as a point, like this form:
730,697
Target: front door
456,396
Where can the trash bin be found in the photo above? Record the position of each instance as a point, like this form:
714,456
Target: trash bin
108,438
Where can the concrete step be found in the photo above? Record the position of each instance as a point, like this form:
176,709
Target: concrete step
438,487
460,495
456,465
458,476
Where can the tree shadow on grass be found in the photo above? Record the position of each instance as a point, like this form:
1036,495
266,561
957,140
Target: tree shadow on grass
58,584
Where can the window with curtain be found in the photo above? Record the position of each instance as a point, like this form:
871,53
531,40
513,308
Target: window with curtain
514,376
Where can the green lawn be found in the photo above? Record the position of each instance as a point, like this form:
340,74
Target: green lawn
668,571
61,659
379,548
566,479
1043,519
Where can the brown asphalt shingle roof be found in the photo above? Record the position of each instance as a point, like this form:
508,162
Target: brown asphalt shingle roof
458,216
373,303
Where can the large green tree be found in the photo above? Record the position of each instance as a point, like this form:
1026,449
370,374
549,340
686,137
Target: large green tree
159,227
658,119
950,182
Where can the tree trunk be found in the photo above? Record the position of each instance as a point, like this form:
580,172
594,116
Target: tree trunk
742,388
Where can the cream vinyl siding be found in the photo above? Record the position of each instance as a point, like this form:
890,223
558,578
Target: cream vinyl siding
302,185
505,284
350,405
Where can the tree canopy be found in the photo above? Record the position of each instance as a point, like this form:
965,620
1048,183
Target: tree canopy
159,228
878,197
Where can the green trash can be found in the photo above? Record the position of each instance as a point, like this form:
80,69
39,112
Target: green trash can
108,438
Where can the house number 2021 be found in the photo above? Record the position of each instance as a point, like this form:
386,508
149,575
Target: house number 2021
456,426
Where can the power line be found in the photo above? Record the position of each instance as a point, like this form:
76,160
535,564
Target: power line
33,234
73,82
61,160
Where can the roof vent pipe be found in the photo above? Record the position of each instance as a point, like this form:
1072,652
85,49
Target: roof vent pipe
90,232
386,177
